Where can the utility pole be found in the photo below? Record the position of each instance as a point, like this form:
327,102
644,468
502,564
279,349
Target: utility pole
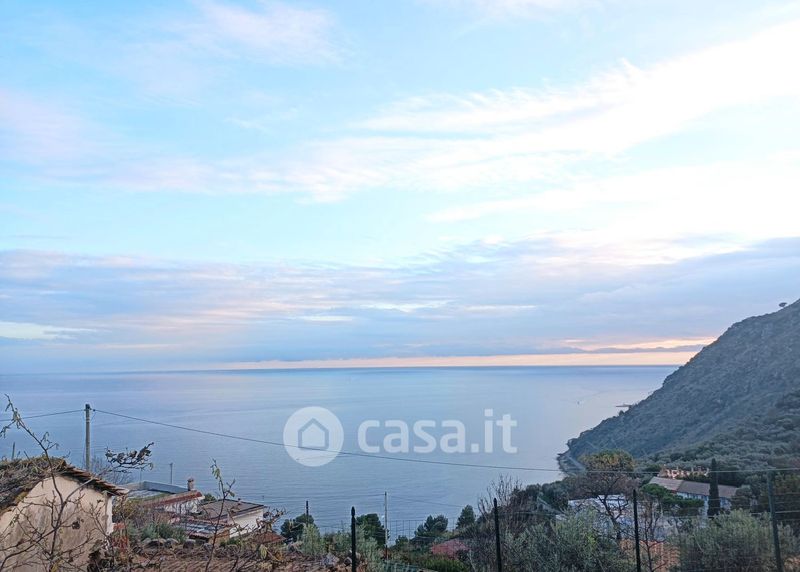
636,531
88,442
385,525
170,473
774,517
497,537
306,512
353,558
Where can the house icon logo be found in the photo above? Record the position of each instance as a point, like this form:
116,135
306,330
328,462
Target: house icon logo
313,436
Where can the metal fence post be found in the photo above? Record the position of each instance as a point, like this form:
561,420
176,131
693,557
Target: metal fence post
636,530
353,557
774,518
497,537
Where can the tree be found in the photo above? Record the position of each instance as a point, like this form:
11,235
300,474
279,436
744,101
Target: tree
402,543
571,544
313,544
373,528
466,518
292,528
433,527
659,511
735,542
370,553
608,477
786,487
670,503
743,498
714,505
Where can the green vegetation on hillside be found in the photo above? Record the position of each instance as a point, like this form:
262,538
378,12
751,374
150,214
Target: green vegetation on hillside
737,400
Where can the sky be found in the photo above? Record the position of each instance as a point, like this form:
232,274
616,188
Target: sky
417,182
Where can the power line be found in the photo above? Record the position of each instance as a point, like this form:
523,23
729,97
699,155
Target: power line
422,501
388,458
346,453
370,455
26,417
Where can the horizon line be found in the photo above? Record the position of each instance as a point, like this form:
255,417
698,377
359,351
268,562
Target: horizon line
617,359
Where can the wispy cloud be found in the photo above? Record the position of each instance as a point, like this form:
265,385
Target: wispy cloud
28,331
513,139
517,142
747,201
503,299
281,33
618,108
502,9
179,54
32,130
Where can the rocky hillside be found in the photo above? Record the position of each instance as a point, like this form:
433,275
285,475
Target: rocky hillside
735,399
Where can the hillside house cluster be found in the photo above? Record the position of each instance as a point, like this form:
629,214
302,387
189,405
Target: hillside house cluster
186,509
42,495
696,490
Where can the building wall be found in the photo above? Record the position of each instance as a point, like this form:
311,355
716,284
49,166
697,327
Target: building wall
85,517
246,522
723,502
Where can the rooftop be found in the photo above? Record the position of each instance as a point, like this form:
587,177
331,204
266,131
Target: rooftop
450,548
230,507
19,476
203,528
692,487
152,492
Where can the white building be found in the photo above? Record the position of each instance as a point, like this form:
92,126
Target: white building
696,490
40,498
242,516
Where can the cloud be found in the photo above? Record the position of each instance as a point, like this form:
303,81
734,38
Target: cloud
32,130
178,56
280,33
616,109
522,144
542,296
739,202
503,9
27,331
523,140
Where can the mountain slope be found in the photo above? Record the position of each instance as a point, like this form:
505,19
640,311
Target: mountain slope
732,387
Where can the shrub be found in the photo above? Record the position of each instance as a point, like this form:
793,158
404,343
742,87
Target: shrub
438,563
312,544
733,542
161,530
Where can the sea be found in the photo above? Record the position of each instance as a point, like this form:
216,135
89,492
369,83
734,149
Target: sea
236,419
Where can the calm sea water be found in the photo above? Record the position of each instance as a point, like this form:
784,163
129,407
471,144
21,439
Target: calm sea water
550,405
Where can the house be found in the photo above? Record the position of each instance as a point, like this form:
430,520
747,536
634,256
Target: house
45,497
449,548
205,531
242,516
595,507
169,498
617,504
696,490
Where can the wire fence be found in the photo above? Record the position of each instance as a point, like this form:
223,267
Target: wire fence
619,533
640,535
